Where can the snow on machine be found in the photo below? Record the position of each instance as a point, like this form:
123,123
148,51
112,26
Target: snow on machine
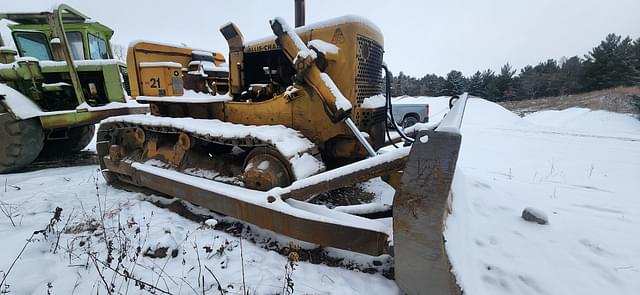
255,138
57,80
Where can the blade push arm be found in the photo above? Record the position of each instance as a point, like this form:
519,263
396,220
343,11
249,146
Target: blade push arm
338,107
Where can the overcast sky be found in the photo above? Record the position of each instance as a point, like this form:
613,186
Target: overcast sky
421,37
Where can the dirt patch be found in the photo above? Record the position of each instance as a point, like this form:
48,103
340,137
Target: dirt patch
617,100
160,252
346,196
81,158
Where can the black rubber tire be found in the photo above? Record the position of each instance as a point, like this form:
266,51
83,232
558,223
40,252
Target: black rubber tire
409,120
20,142
78,139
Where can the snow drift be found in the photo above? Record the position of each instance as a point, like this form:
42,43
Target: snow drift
586,184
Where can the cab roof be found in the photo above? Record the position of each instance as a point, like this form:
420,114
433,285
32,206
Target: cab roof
38,18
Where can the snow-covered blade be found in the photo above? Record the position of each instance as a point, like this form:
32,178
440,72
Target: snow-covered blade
452,121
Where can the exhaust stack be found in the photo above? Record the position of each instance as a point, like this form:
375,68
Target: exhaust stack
299,12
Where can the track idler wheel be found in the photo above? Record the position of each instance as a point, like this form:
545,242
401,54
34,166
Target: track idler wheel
265,168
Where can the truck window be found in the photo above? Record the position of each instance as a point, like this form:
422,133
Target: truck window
97,48
33,44
75,43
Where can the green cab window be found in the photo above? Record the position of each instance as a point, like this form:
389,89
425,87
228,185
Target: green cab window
33,44
97,48
75,43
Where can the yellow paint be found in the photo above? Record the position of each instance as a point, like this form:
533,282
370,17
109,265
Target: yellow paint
305,111
161,80
152,52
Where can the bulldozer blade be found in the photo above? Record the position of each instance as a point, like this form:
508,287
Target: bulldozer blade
421,206
363,170
296,219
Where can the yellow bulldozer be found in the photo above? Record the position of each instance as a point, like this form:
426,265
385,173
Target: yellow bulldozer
285,118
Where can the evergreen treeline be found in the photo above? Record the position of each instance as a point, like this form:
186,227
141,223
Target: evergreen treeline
615,62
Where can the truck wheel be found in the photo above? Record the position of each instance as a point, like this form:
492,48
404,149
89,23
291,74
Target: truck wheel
20,142
77,139
409,120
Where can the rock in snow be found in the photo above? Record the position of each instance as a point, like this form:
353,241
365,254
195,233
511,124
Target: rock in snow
534,215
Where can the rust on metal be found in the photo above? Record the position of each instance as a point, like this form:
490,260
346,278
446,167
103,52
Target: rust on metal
318,232
264,169
139,136
382,169
420,207
79,118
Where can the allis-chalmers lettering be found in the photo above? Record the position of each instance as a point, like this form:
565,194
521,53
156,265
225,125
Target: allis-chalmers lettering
263,47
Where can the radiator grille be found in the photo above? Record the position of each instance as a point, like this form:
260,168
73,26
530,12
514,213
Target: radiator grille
369,69
369,83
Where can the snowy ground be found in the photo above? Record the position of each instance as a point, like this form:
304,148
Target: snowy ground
133,222
568,164
579,167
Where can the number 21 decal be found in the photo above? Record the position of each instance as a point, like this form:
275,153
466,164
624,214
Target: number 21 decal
155,82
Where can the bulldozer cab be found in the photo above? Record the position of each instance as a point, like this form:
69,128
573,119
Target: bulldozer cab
75,58
88,40
57,80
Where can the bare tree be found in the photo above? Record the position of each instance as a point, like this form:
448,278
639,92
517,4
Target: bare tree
119,52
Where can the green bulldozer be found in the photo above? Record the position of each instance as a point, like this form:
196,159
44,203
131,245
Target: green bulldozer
58,78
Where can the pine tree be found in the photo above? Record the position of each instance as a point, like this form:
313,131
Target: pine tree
434,85
475,84
550,82
505,82
455,83
627,57
572,76
397,84
612,63
528,81
489,88
636,55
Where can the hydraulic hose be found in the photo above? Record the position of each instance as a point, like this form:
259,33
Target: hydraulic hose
389,106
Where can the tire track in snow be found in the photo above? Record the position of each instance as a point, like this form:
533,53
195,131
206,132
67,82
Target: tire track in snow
631,139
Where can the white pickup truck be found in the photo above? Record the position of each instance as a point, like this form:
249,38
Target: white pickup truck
408,111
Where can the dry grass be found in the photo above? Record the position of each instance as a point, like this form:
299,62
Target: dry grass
614,99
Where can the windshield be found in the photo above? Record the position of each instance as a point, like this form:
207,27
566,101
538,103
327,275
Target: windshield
97,48
33,44
75,43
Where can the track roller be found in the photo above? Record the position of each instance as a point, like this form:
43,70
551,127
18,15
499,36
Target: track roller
264,169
